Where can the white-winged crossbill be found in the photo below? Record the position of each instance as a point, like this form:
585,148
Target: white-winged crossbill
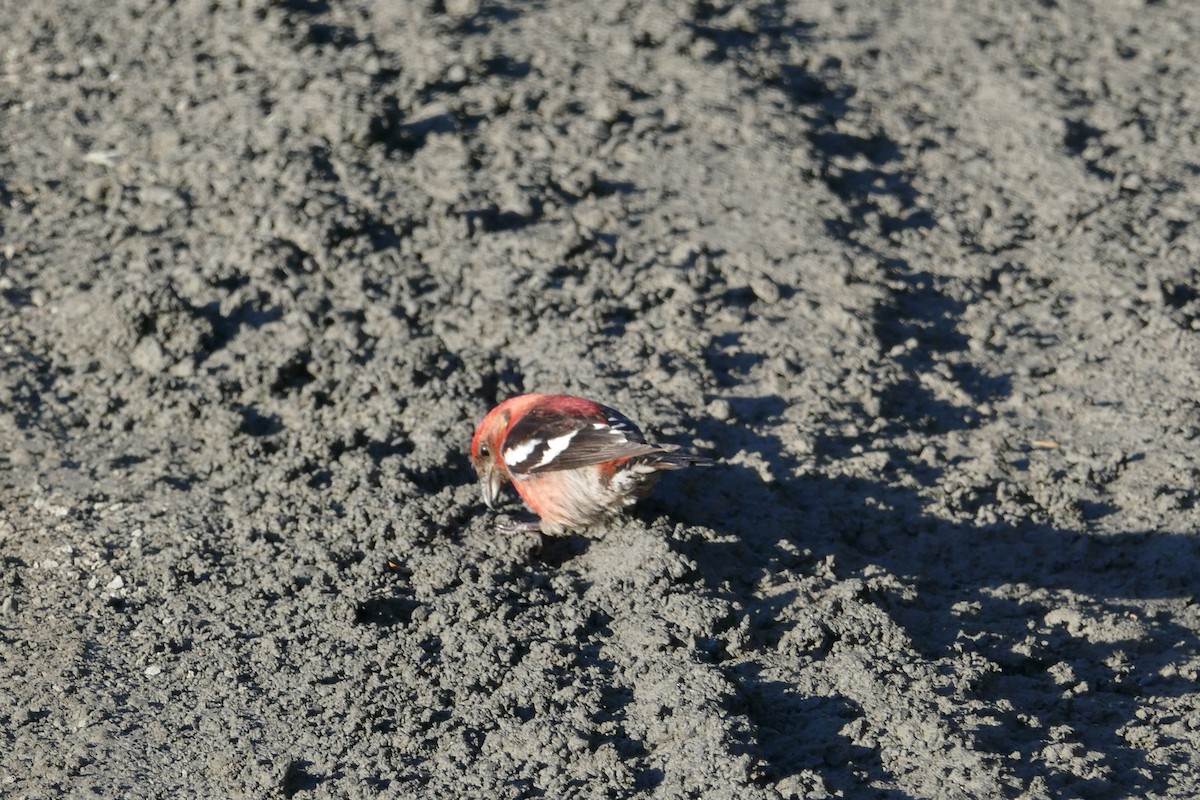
572,461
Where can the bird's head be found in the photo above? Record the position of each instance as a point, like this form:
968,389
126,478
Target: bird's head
485,453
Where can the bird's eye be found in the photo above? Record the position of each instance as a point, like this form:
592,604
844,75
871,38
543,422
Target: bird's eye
483,450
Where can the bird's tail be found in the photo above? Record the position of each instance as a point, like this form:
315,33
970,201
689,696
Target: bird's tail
668,457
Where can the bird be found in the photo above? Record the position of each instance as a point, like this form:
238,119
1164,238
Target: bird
573,461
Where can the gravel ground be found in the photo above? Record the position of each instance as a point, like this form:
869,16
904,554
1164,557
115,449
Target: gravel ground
923,276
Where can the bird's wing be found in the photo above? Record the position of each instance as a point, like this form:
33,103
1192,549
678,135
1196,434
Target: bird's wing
545,440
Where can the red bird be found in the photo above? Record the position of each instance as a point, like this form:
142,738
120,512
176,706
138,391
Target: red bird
573,461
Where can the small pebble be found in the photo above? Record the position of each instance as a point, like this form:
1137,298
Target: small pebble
765,289
161,196
462,9
605,111
682,254
720,410
97,189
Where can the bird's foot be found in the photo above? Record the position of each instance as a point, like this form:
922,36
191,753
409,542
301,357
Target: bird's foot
530,528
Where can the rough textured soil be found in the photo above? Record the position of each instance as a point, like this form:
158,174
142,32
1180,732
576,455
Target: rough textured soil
924,276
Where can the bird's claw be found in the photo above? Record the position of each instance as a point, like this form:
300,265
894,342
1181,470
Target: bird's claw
530,528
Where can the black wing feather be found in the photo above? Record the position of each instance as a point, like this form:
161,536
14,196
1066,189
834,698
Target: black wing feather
593,440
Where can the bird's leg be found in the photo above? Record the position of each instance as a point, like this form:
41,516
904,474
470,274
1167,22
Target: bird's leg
510,526
530,528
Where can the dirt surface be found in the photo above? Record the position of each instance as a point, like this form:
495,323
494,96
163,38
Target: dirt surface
924,278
